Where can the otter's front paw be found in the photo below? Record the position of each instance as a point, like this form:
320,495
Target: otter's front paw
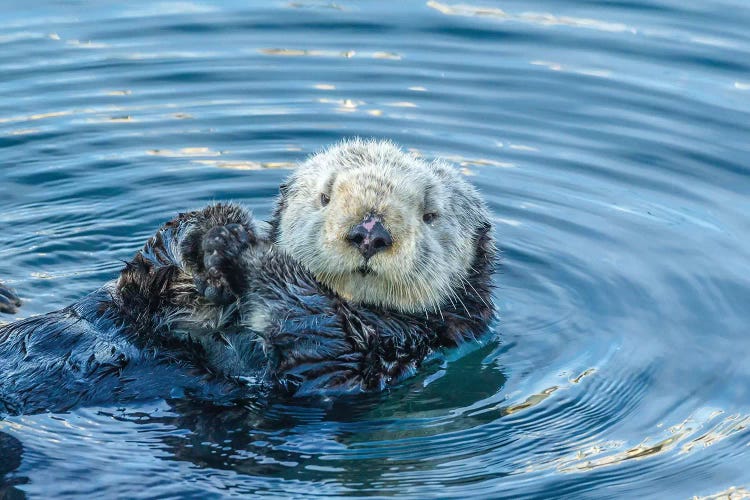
9,301
222,279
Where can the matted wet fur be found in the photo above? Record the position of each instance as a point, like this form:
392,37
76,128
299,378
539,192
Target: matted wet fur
211,307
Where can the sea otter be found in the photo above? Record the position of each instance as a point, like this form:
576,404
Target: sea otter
374,261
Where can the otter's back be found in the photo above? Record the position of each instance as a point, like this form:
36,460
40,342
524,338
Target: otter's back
68,357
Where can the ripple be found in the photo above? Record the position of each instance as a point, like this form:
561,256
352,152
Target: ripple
609,140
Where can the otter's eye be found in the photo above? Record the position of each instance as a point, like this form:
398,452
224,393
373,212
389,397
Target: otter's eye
324,199
429,217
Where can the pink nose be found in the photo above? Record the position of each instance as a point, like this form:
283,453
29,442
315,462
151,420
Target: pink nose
370,236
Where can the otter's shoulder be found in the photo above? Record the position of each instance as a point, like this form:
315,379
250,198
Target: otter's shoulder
55,360
85,354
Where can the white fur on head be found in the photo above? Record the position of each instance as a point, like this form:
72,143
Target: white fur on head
427,264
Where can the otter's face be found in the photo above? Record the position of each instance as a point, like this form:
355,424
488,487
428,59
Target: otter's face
380,227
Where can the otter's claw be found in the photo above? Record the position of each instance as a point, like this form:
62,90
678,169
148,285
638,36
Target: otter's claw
9,301
222,279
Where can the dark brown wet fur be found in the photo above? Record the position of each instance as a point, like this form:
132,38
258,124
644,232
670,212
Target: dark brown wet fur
176,317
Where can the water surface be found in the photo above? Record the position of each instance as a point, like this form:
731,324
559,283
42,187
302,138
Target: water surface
611,140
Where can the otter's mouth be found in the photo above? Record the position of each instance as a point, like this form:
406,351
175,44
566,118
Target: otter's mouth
364,270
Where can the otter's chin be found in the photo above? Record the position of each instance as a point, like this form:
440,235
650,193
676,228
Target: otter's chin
369,286
364,270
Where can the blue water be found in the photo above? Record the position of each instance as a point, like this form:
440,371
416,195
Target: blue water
610,138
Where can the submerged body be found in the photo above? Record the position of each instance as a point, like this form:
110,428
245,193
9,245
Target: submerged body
339,298
82,355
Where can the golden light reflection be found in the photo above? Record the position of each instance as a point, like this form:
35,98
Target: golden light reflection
343,105
731,425
54,114
307,5
306,53
537,398
40,116
386,55
531,401
184,152
182,54
688,433
112,119
537,18
577,380
88,44
245,164
713,41
507,222
285,52
640,451
478,162
553,66
25,131
731,493
349,105
125,112
549,65
522,147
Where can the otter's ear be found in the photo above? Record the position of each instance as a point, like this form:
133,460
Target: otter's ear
277,210
485,250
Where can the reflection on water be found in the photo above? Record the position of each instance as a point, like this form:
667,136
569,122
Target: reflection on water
689,435
11,451
610,140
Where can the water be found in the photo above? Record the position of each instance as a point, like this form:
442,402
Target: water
611,140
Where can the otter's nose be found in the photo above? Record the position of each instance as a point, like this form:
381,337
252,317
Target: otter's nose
370,236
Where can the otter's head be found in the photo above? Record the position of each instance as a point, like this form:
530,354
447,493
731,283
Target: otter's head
380,227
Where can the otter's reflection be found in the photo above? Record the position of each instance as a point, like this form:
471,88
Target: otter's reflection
11,451
300,439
